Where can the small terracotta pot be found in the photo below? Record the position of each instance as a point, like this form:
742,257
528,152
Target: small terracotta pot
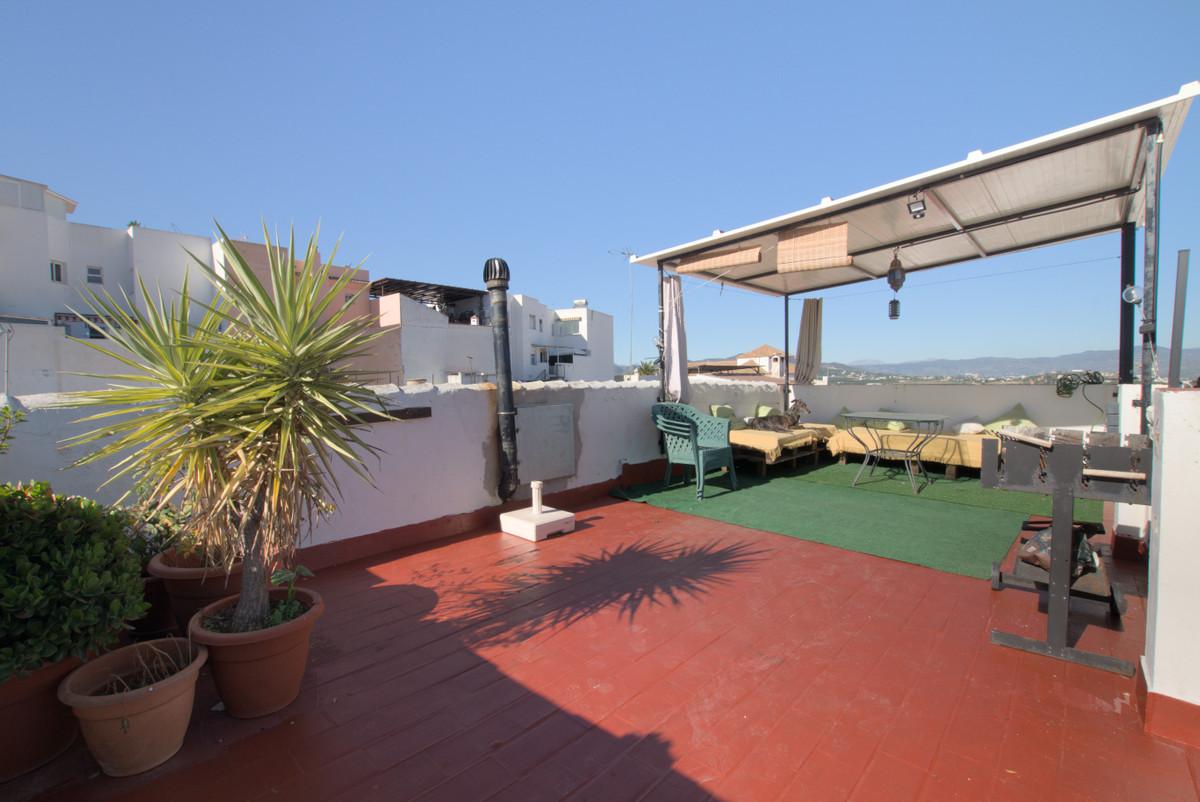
134,731
259,672
190,585
36,728
159,621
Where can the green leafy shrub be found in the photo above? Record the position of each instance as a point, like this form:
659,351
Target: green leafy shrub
153,531
68,578
9,418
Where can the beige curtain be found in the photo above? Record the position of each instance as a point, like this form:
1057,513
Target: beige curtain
808,348
674,341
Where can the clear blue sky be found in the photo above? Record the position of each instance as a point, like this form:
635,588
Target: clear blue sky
434,135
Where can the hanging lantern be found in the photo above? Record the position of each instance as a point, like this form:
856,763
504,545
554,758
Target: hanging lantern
895,274
895,280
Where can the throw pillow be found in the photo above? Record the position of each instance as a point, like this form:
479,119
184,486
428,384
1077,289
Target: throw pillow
894,425
1015,418
839,419
721,410
726,411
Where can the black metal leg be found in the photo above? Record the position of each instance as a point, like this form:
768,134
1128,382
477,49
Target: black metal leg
1061,557
1062,553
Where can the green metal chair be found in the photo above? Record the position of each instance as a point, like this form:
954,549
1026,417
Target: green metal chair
691,438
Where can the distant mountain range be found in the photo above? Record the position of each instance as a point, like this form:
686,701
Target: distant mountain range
995,367
999,367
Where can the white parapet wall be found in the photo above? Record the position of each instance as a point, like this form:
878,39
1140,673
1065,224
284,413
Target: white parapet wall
1172,660
46,360
961,402
444,464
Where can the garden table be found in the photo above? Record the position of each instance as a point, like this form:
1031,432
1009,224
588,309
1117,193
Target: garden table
880,443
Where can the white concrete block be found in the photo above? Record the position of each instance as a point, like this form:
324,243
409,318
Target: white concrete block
537,526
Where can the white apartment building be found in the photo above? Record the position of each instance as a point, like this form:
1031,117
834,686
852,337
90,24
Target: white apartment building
575,343
46,259
441,334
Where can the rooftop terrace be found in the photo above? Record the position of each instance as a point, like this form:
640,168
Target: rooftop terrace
657,655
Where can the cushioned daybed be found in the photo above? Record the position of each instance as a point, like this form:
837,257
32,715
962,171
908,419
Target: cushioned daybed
773,448
951,450
954,449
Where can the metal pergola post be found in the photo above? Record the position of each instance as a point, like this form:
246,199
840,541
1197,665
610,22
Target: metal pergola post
662,338
1181,279
1153,190
786,353
1128,278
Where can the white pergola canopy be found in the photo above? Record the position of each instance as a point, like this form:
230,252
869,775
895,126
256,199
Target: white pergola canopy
1075,183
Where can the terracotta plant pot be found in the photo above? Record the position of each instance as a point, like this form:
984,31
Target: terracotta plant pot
259,672
190,585
159,621
133,731
36,728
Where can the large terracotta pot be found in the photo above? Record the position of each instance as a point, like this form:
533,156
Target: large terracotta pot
34,727
190,585
136,730
259,672
159,620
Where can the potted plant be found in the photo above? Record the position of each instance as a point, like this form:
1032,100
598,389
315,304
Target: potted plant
68,584
191,579
134,704
256,676
241,415
153,531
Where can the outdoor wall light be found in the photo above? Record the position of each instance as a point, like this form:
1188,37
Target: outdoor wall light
916,206
1131,295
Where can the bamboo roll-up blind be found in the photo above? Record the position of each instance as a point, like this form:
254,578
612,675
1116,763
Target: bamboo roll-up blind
720,260
813,248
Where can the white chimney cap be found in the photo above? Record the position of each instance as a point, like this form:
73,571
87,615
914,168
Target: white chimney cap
580,302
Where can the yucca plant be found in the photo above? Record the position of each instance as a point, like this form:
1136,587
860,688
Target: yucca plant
243,414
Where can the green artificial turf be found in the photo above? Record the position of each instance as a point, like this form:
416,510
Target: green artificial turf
952,525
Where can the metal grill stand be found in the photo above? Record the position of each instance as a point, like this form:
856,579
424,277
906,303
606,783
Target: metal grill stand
1063,467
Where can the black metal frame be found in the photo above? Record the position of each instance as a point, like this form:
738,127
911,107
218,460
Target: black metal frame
1128,278
1060,469
1150,269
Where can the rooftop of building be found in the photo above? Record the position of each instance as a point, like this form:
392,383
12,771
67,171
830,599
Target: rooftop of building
657,655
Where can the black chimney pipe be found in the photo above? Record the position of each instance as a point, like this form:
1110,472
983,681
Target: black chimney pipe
495,276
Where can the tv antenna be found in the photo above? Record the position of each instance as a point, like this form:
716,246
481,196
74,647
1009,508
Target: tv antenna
627,253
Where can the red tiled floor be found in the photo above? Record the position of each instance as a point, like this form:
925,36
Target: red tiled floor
655,656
